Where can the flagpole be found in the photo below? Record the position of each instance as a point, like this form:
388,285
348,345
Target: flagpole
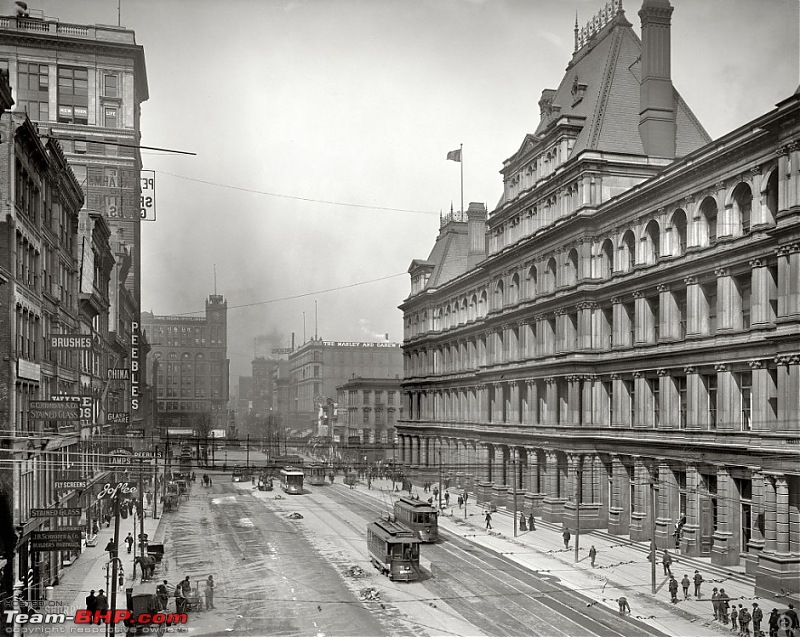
461,151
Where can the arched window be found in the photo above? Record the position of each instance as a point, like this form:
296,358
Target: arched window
473,308
513,289
571,268
550,275
628,247
652,233
708,214
743,205
482,302
606,259
463,315
533,284
679,233
498,294
200,356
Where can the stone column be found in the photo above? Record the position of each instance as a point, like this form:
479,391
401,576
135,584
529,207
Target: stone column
587,338
782,514
669,317
789,281
514,413
764,390
725,550
756,542
643,322
770,515
669,409
761,290
788,392
415,449
696,317
561,331
587,400
553,501
727,399
550,402
690,538
668,504
484,486
619,509
729,305
696,415
573,400
642,408
642,509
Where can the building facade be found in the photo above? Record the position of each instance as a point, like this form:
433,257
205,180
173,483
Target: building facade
318,367
190,371
85,84
368,410
622,333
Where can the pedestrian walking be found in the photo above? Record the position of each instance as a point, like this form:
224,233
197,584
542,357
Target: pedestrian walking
724,604
715,603
531,523
566,537
744,620
460,501
522,525
91,602
792,615
488,520
673,589
734,617
210,592
624,607
102,602
129,542
593,554
758,615
698,579
447,498
111,548
186,586
666,560
685,582
774,618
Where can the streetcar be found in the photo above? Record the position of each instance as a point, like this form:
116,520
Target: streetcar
316,474
292,480
393,549
418,516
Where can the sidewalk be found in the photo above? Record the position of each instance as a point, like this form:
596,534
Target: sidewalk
88,571
622,567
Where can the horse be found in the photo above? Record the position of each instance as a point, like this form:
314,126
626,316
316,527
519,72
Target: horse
148,564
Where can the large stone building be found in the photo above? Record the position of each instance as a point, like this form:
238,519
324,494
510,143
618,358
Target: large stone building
622,334
190,371
318,367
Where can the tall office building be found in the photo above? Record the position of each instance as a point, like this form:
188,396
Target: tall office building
621,335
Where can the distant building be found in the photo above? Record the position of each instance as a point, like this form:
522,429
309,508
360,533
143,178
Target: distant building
368,411
318,367
621,335
190,370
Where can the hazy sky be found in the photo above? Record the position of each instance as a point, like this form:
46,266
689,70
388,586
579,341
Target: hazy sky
359,101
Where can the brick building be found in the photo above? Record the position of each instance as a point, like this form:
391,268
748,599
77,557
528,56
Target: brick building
622,333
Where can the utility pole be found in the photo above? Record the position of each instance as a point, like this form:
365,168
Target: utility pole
155,483
440,478
578,490
393,466
653,496
248,453
115,559
514,487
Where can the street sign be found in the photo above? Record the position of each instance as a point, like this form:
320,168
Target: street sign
54,410
56,513
56,541
67,485
118,417
85,402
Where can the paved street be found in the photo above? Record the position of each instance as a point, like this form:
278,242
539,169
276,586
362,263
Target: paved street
282,576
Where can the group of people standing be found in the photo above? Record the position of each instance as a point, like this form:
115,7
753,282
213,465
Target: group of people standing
183,592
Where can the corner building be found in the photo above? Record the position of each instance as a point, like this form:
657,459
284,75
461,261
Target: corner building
622,333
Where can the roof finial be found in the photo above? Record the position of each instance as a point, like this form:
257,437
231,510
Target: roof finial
576,31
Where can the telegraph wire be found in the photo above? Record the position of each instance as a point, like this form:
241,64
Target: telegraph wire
296,197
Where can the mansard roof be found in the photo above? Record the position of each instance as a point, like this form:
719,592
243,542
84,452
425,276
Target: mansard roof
449,254
599,94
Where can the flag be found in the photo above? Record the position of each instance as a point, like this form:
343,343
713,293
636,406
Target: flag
454,155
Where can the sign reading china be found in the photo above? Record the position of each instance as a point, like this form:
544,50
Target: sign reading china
123,490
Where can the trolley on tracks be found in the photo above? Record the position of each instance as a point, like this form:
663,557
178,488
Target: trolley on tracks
418,516
316,474
393,549
292,480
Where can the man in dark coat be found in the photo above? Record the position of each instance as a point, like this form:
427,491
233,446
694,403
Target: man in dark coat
101,603
91,602
673,589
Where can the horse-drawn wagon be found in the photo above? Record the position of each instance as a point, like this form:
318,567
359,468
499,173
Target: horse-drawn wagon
142,599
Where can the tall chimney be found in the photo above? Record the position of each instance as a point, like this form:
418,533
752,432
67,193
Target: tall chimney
656,97
476,234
